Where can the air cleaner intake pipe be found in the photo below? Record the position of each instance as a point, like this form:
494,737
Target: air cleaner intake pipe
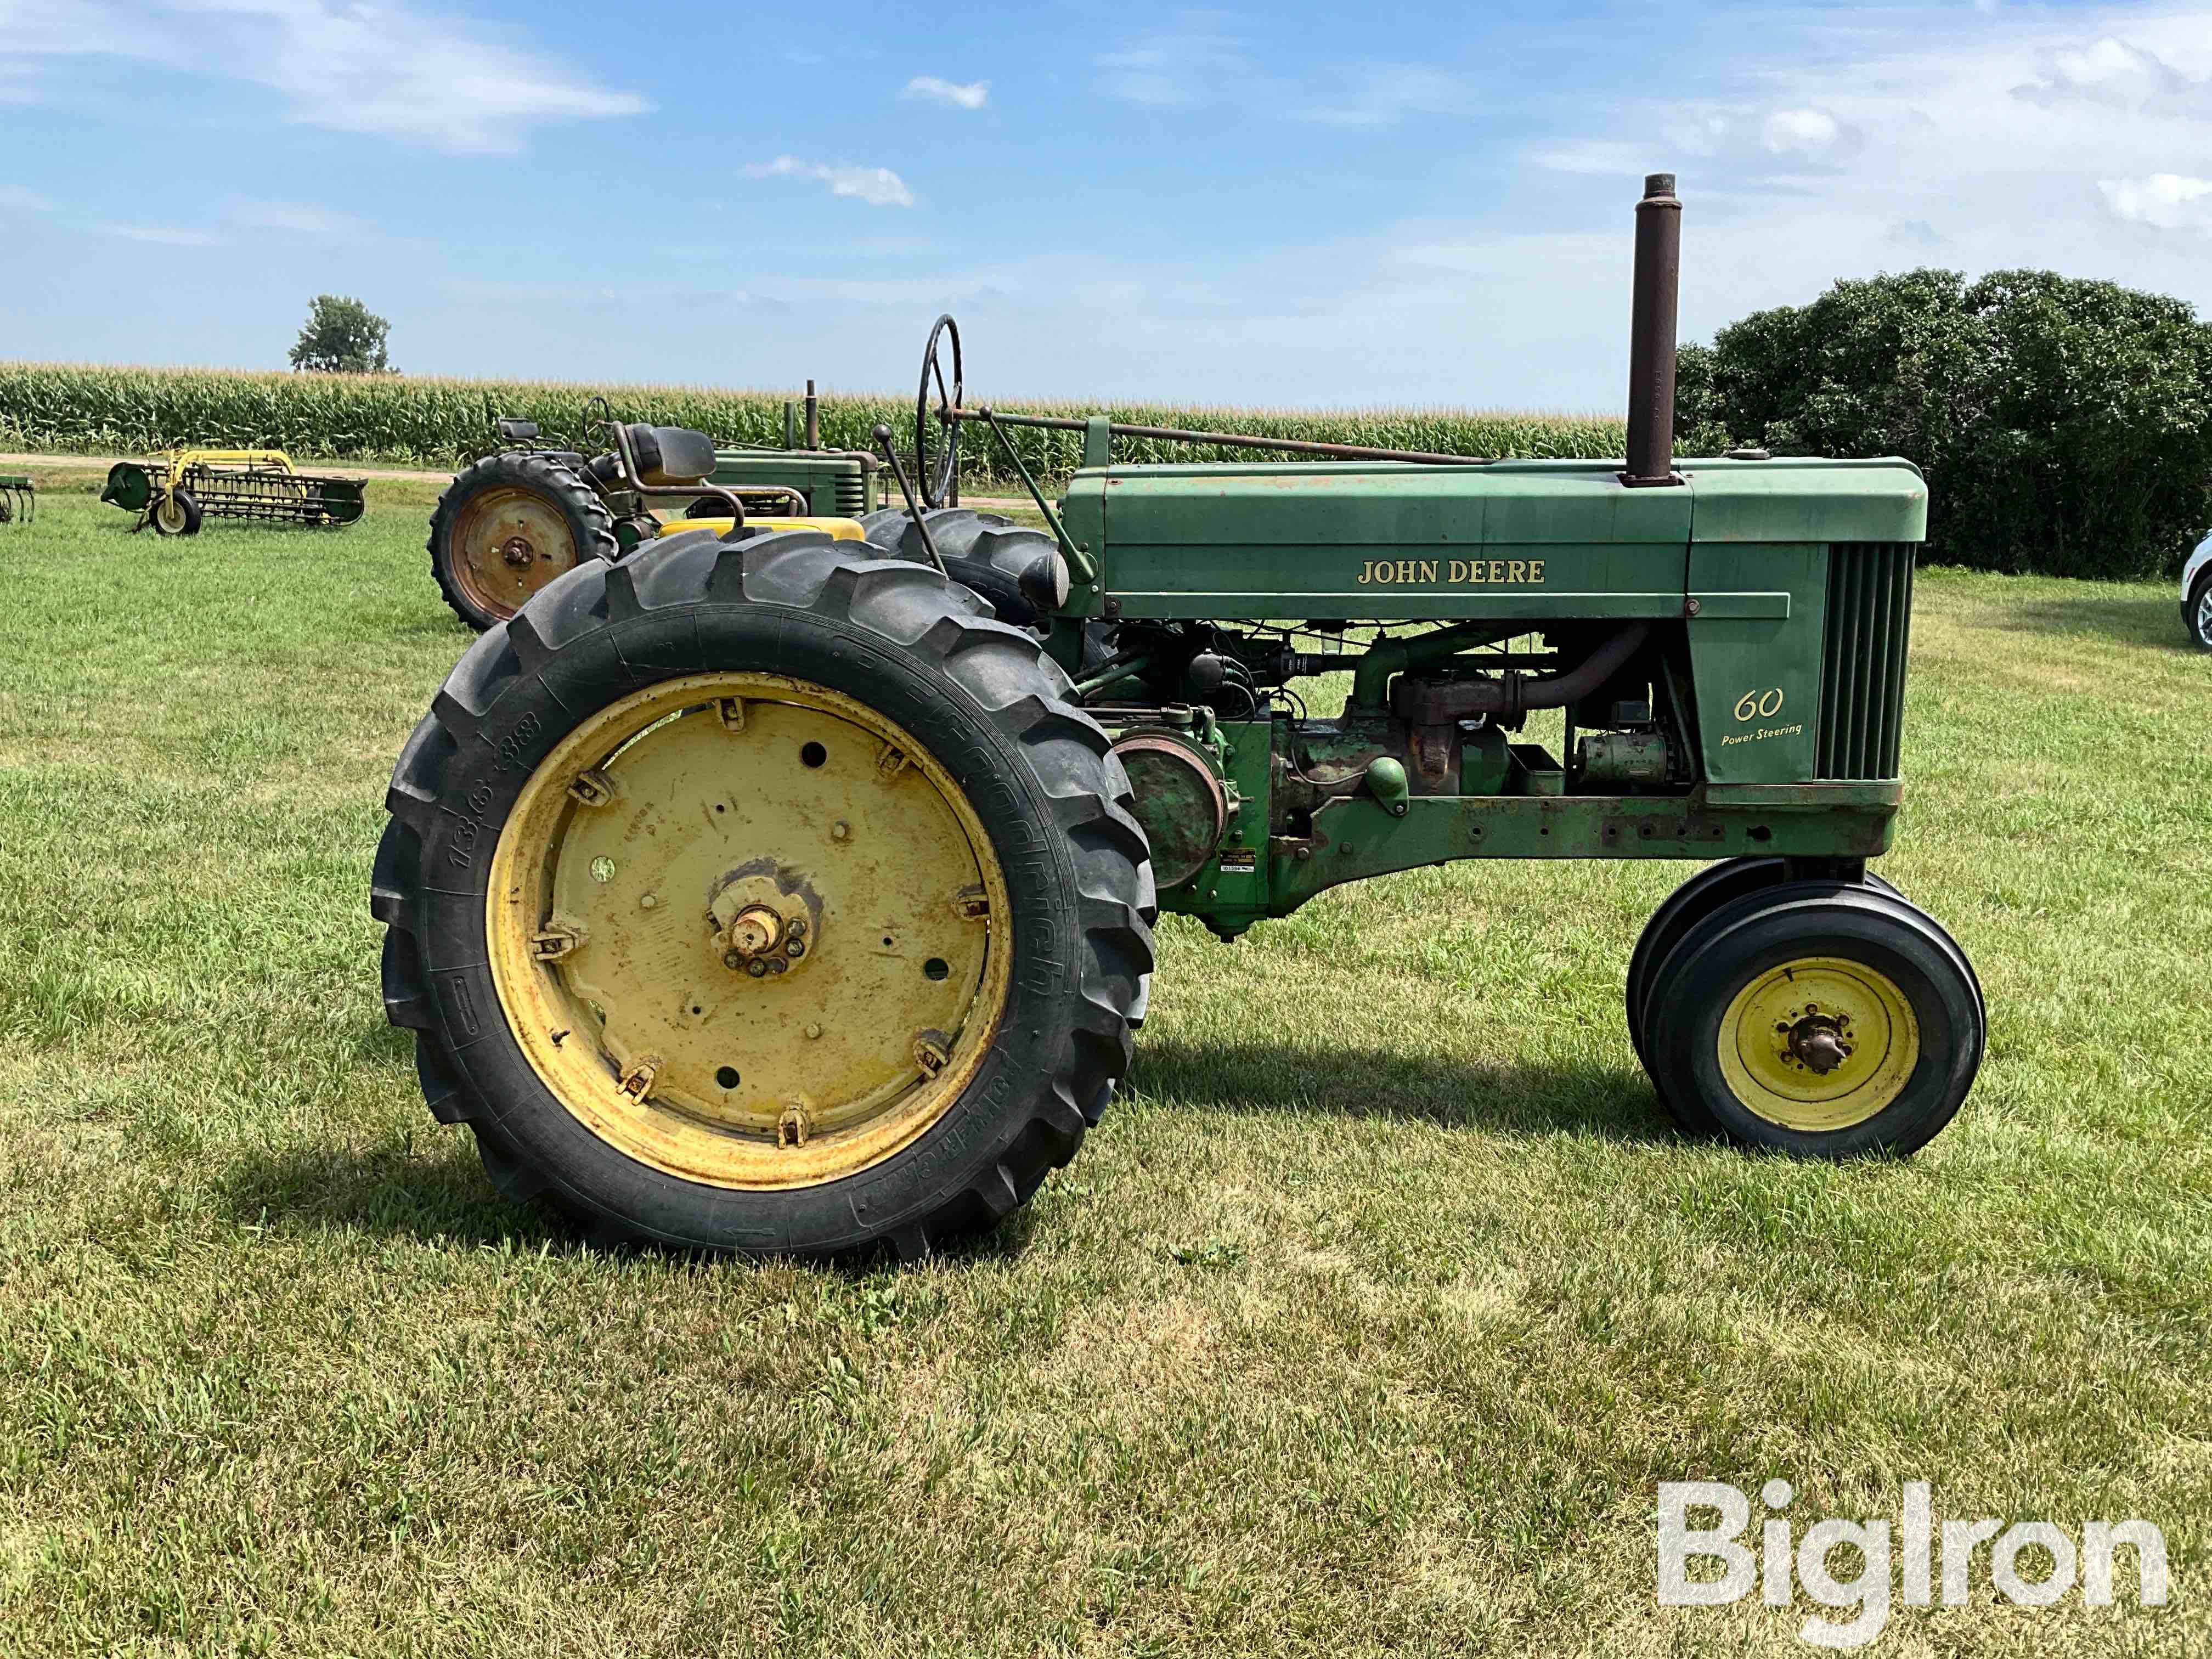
1651,336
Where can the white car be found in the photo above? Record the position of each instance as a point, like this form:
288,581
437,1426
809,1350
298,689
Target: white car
2197,595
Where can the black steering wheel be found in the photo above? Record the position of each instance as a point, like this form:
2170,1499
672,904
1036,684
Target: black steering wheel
939,478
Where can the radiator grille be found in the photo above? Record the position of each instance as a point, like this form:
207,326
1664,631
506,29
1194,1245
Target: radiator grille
852,495
1862,658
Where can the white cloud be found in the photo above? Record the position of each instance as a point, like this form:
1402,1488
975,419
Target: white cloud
1801,131
972,95
2108,72
1202,59
295,218
167,236
1177,67
384,68
1381,94
876,186
2164,201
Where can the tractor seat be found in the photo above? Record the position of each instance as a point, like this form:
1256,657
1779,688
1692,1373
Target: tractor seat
670,455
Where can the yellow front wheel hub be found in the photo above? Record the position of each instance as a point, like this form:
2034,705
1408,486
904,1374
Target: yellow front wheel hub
1818,1044
748,930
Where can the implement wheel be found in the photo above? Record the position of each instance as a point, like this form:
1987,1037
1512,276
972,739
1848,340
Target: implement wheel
1816,1018
176,513
766,900
506,526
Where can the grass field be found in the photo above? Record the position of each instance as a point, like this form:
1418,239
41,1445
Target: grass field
1367,1322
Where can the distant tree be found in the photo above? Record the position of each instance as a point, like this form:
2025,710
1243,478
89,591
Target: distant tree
342,337
2065,426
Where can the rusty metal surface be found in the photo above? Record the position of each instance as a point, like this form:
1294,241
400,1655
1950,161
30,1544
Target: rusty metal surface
1179,801
1652,335
508,543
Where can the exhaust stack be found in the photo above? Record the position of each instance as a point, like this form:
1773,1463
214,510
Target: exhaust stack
1652,336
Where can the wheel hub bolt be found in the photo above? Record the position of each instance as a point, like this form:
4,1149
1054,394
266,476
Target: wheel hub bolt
796,948
756,967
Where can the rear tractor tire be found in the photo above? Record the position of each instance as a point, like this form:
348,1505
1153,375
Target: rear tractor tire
1822,1020
764,899
1017,569
508,525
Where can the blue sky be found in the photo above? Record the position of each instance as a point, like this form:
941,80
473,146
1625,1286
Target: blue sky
1295,204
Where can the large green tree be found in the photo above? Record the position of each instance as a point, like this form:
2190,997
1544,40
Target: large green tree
342,336
2065,426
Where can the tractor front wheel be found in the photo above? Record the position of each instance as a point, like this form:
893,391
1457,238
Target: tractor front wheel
1711,887
509,525
1818,1019
762,899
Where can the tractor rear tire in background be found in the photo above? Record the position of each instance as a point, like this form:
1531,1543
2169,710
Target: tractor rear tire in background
763,899
983,551
1823,1020
509,525
177,514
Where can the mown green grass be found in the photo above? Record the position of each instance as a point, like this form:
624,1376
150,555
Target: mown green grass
97,408
1368,1321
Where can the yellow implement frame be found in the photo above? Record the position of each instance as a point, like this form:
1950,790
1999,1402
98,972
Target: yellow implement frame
177,461
176,486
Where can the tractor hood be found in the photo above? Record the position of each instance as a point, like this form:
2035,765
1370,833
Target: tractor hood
1401,540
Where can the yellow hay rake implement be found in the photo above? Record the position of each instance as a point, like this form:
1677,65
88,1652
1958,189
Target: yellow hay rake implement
174,491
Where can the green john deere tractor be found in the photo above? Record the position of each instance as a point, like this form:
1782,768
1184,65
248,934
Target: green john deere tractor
512,521
775,894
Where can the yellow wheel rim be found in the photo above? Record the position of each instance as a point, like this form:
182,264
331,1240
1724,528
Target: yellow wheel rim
508,543
1818,1044
646,895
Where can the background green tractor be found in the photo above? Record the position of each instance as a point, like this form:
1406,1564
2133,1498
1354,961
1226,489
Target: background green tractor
513,522
782,895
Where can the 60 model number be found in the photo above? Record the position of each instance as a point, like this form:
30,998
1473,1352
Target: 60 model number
1759,705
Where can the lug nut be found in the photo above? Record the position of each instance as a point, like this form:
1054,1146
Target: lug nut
796,948
732,959
756,967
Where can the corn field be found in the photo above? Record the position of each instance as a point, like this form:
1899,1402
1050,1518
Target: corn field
90,409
